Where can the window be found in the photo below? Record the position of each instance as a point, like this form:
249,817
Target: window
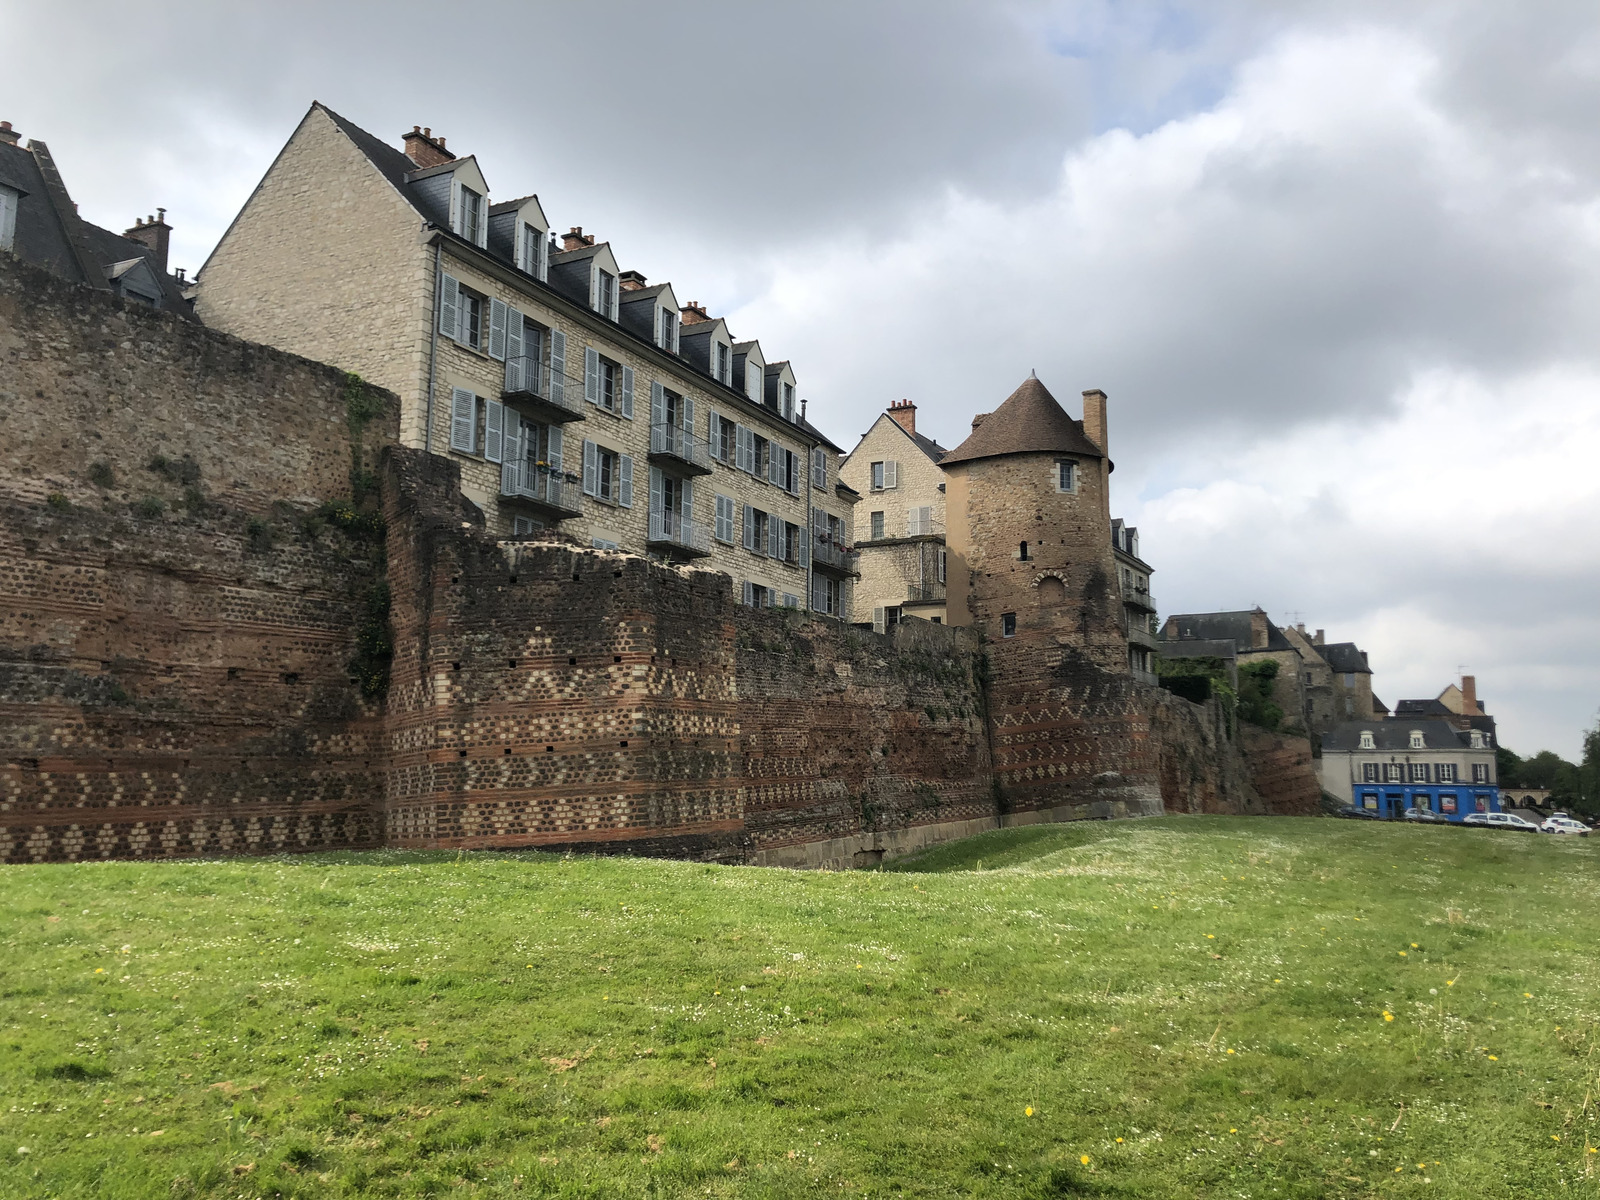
1444,772
8,218
795,547
1022,551
783,468
464,421
819,467
1477,739
723,529
1008,624
885,475
1369,772
1067,476
877,525
1369,801
827,596
469,214
1417,742
756,530
607,475
723,437
1366,740
603,544
1481,802
1480,772
460,312
722,362
667,330
919,521
1447,802
605,293
757,595
534,251
522,526
786,400
1392,773
1419,772
941,568
753,380
606,384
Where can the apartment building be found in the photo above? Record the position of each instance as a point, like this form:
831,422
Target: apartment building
574,395
1387,767
900,540
1138,606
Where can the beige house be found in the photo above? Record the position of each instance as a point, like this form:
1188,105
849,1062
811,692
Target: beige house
573,395
900,535
1138,606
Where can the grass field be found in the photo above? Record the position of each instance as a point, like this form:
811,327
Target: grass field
1179,1007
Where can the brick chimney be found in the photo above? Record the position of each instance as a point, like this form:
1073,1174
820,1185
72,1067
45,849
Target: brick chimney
1319,640
1469,696
576,239
904,414
1094,418
631,281
9,135
694,312
1258,630
426,150
154,234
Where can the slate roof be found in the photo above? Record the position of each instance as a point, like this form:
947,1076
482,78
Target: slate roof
1223,648
1225,626
1395,736
1421,708
1345,658
1029,422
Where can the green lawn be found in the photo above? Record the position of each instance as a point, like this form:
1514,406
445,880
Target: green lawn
1217,1007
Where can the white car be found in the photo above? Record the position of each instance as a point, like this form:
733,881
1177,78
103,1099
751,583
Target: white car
1500,820
1564,824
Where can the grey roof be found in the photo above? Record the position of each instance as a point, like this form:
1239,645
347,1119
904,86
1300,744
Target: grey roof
1221,648
1395,735
576,253
505,206
1029,422
1345,658
634,295
1421,708
1225,626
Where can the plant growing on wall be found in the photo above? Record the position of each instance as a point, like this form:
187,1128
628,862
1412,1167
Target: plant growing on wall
1255,694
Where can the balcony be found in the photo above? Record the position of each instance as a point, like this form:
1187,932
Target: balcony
932,593
832,559
1139,598
1139,635
673,446
528,390
671,533
1140,675
552,492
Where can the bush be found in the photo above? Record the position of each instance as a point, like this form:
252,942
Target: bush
150,507
1255,694
184,471
259,533
101,475
58,502
1191,687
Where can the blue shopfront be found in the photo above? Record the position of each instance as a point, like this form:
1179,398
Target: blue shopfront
1451,801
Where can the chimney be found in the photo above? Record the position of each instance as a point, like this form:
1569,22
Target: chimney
1094,418
631,281
1300,628
576,239
1469,696
154,234
904,414
9,135
978,420
1258,630
426,150
694,312
1318,640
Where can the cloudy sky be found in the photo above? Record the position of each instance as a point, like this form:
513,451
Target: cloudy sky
1337,269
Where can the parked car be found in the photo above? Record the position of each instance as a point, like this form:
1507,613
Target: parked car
1561,823
1500,820
1425,816
1356,812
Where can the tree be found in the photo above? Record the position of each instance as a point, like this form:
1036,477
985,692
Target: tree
1255,694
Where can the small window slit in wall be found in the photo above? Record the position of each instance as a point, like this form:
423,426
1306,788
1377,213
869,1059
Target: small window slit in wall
1022,552
572,662
549,749
512,663
616,658
624,745
455,666
508,750
463,753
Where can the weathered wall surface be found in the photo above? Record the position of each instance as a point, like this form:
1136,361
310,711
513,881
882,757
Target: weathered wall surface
174,650
1282,771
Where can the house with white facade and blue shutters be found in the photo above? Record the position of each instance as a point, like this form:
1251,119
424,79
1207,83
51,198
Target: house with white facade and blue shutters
1389,766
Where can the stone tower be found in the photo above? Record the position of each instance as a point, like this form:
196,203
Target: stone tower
1031,566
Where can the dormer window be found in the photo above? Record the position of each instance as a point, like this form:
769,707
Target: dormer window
667,330
604,298
1366,740
1417,741
534,253
1477,739
722,362
752,381
469,215
786,400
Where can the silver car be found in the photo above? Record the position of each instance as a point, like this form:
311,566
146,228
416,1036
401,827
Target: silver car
1500,820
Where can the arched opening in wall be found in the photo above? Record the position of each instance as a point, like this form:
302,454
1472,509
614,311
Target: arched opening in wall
1051,592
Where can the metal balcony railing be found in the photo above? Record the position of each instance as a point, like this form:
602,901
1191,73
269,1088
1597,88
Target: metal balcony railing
680,444
671,528
930,593
528,378
1140,598
524,481
826,554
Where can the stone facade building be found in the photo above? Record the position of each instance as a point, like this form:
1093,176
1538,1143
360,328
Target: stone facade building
1389,766
573,396
1138,605
900,539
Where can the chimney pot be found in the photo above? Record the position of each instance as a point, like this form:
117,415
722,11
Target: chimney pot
423,149
904,414
154,234
8,135
1469,696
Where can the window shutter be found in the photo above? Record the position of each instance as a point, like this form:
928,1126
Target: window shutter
449,306
455,205
688,415
891,474
497,330
878,625
463,420
558,365
514,373
494,424
591,467
805,548
594,285
714,433
687,508
625,475
749,529
775,464
543,253
511,464
774,537
658,403
627,392
553,457
749,594
483,221
739,459
655,491
591,375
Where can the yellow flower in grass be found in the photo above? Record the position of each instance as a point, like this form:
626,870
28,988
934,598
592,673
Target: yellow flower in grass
1119,1141
1494,1058
1402,954
1084,1159
1028,1112
1388,1016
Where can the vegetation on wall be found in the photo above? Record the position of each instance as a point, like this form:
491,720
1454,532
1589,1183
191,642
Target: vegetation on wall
1255,694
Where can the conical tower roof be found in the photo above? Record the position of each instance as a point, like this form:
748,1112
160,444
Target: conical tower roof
1031,421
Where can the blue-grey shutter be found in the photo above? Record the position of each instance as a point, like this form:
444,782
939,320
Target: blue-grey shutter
749,529
687,508
658,403
558,366
749,594
688,416
591,468
497,330
627,392
463,420
655,491
494,425
455,205
514,373
744,450
553,457
774,536
804,539
511,467
625,478
591,375
594,285
449,306
712,431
